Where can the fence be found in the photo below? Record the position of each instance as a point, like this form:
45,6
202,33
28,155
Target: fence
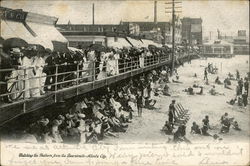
23,84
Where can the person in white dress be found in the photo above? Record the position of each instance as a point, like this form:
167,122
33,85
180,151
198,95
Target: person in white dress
91,58
39,82
16,74
28,74
116,57
102,73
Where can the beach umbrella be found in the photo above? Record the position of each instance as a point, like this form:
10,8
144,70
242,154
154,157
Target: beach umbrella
150,46
14,43
97,47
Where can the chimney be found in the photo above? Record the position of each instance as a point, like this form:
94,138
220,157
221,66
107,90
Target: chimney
155,12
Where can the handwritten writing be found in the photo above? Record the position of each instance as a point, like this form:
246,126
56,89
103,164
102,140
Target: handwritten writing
121,154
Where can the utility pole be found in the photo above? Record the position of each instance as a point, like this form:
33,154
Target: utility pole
173,38
93,14
155,12
173,29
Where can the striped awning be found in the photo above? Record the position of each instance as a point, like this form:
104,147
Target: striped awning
33,33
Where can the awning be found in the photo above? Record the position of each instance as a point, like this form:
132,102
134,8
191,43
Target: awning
146,43
136,43
119,43
12,29
48,33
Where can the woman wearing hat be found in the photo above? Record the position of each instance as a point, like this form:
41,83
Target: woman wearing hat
54,131
39,64
29,73
16,75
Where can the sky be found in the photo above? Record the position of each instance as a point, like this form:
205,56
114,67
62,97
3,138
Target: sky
226,15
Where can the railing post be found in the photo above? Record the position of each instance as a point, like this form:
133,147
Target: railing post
94,70
131,64
56,75
24,82
93,75
77,78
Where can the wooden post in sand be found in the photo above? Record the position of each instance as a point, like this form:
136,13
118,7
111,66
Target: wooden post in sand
221,67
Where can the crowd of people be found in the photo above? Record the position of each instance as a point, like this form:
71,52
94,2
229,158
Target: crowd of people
31,71
226,122
99,114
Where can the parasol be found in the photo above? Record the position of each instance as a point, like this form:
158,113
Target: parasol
14,43
152,47
97,47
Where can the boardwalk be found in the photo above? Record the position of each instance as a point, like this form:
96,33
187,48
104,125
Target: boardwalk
12,110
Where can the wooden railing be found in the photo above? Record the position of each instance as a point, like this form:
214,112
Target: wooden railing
81,80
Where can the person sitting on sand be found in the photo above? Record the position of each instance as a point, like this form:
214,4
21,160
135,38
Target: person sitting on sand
206,122
213,92
225,126
179,135
224,117
217,80
176,81
195,129
240,101
166,90
236,125
204,131
190,91
196,85
232,101
227,83
206,126
54,133
167,128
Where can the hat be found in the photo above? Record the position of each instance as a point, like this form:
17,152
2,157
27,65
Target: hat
68,116
173,101
81,115
16,51
164,72
56,122
44,122
105,119
61,117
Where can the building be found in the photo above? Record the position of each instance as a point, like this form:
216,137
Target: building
218,48
192,30
159,32
32,27
241,43
83,35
